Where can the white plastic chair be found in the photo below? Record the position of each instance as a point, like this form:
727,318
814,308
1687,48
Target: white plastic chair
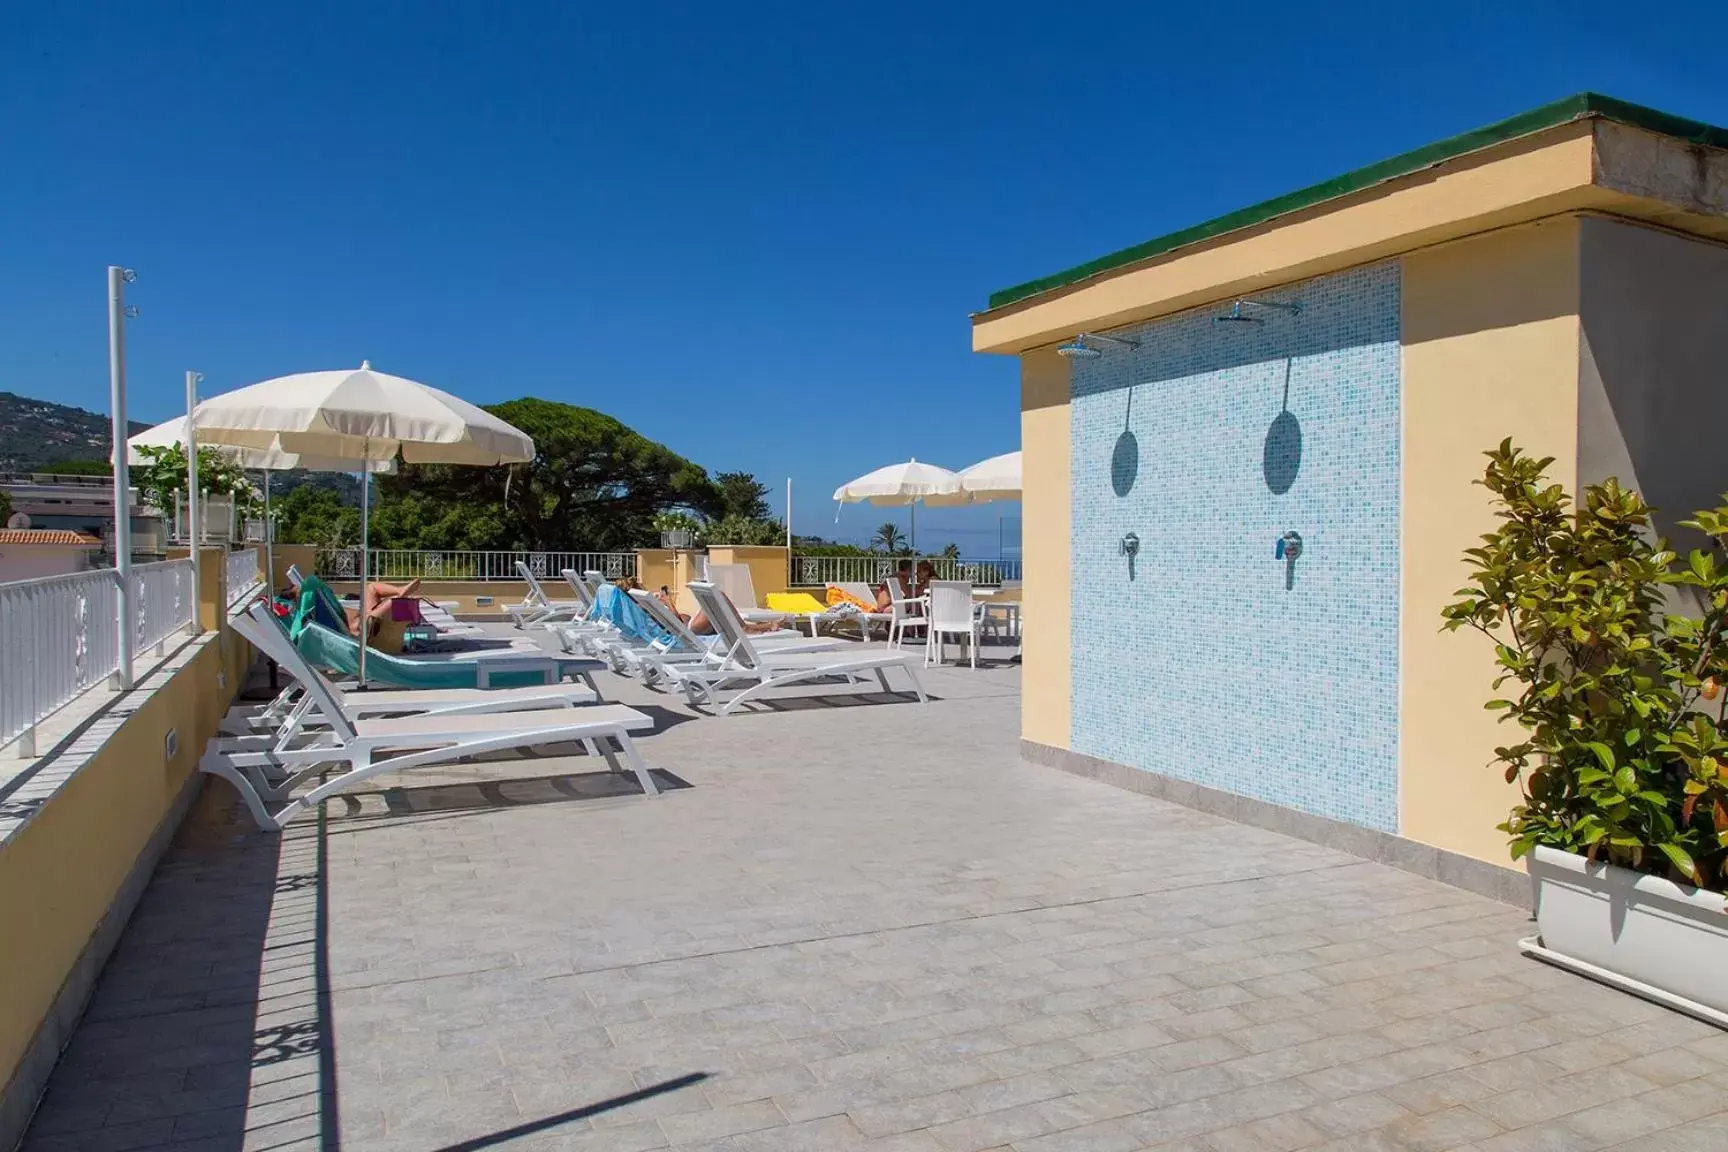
950,613
901,617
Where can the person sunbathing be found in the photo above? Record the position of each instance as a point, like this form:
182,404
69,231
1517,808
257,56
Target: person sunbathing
702,626
376,602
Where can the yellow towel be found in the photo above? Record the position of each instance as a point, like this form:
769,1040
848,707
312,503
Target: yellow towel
799,602
837,595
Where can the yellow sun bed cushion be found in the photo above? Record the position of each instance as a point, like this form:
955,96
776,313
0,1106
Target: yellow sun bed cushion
794,602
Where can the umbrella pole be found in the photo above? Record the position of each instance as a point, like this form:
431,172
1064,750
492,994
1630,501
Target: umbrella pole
365,538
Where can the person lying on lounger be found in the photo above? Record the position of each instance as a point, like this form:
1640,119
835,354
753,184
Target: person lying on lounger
702,626
376,602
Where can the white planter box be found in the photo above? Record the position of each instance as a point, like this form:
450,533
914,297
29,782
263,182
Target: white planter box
1637,932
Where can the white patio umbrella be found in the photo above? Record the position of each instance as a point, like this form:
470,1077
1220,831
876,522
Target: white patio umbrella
902,484
172,434
360,414
997,478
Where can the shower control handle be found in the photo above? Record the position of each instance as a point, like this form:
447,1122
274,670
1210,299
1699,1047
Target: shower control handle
1289,546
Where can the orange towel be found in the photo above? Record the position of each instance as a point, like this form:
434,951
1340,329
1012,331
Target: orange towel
841,596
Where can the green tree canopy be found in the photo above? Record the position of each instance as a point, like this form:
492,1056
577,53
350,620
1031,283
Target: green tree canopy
888,538
313,515
742,496
594,484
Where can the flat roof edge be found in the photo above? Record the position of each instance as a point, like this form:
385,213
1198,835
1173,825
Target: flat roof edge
1584,105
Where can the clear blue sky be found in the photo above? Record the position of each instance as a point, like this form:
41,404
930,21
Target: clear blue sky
751,231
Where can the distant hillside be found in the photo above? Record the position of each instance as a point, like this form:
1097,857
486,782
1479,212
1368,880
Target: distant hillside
35,433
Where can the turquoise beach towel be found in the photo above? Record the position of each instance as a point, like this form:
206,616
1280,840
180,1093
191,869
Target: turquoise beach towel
615,606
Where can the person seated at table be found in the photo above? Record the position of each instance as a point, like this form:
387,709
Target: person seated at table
702,626
897,587
376,602
926,573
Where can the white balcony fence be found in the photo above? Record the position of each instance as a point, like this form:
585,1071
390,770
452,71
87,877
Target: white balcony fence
167,597
60,637
244,573
815,570
396,565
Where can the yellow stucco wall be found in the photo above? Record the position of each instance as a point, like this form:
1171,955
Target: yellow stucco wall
1045,543
61,872
1491,347
769,565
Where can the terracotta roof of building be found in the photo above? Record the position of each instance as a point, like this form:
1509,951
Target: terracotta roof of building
47,536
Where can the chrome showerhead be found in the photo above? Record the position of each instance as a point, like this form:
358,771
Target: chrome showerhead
1078,349
1237,316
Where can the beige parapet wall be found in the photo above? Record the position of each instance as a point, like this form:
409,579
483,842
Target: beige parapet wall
71,871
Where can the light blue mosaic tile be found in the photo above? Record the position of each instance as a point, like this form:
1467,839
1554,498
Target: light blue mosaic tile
1204,665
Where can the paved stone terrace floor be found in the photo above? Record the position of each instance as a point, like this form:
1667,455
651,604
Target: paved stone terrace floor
849,923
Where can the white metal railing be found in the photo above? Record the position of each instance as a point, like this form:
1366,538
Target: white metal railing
416,564
60,637
166,598
812,570
244,573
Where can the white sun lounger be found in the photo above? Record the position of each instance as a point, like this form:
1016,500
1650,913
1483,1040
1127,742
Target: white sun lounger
759,670
537,609
434,612
265,773
293,706
587,629
682,647
685,649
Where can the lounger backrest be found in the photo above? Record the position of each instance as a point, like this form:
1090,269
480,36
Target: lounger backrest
535,592
897,592
584,597
950,603
734,580
667,619
727,623
317,688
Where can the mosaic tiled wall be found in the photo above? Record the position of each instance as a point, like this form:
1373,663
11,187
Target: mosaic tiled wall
1207,658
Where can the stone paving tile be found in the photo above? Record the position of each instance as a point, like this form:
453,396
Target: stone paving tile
843,925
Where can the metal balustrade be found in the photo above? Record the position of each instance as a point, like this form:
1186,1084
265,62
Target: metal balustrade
396,564
814,570
166,600
60,637
244,573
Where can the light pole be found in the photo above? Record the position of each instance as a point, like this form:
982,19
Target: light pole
118,278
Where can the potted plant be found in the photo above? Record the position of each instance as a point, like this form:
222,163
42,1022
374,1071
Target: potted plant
1612,658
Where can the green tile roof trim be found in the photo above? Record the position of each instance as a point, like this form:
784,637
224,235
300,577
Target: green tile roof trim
1579,107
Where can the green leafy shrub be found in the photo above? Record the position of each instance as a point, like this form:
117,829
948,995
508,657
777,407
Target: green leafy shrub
742,530
1623,756
162,477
